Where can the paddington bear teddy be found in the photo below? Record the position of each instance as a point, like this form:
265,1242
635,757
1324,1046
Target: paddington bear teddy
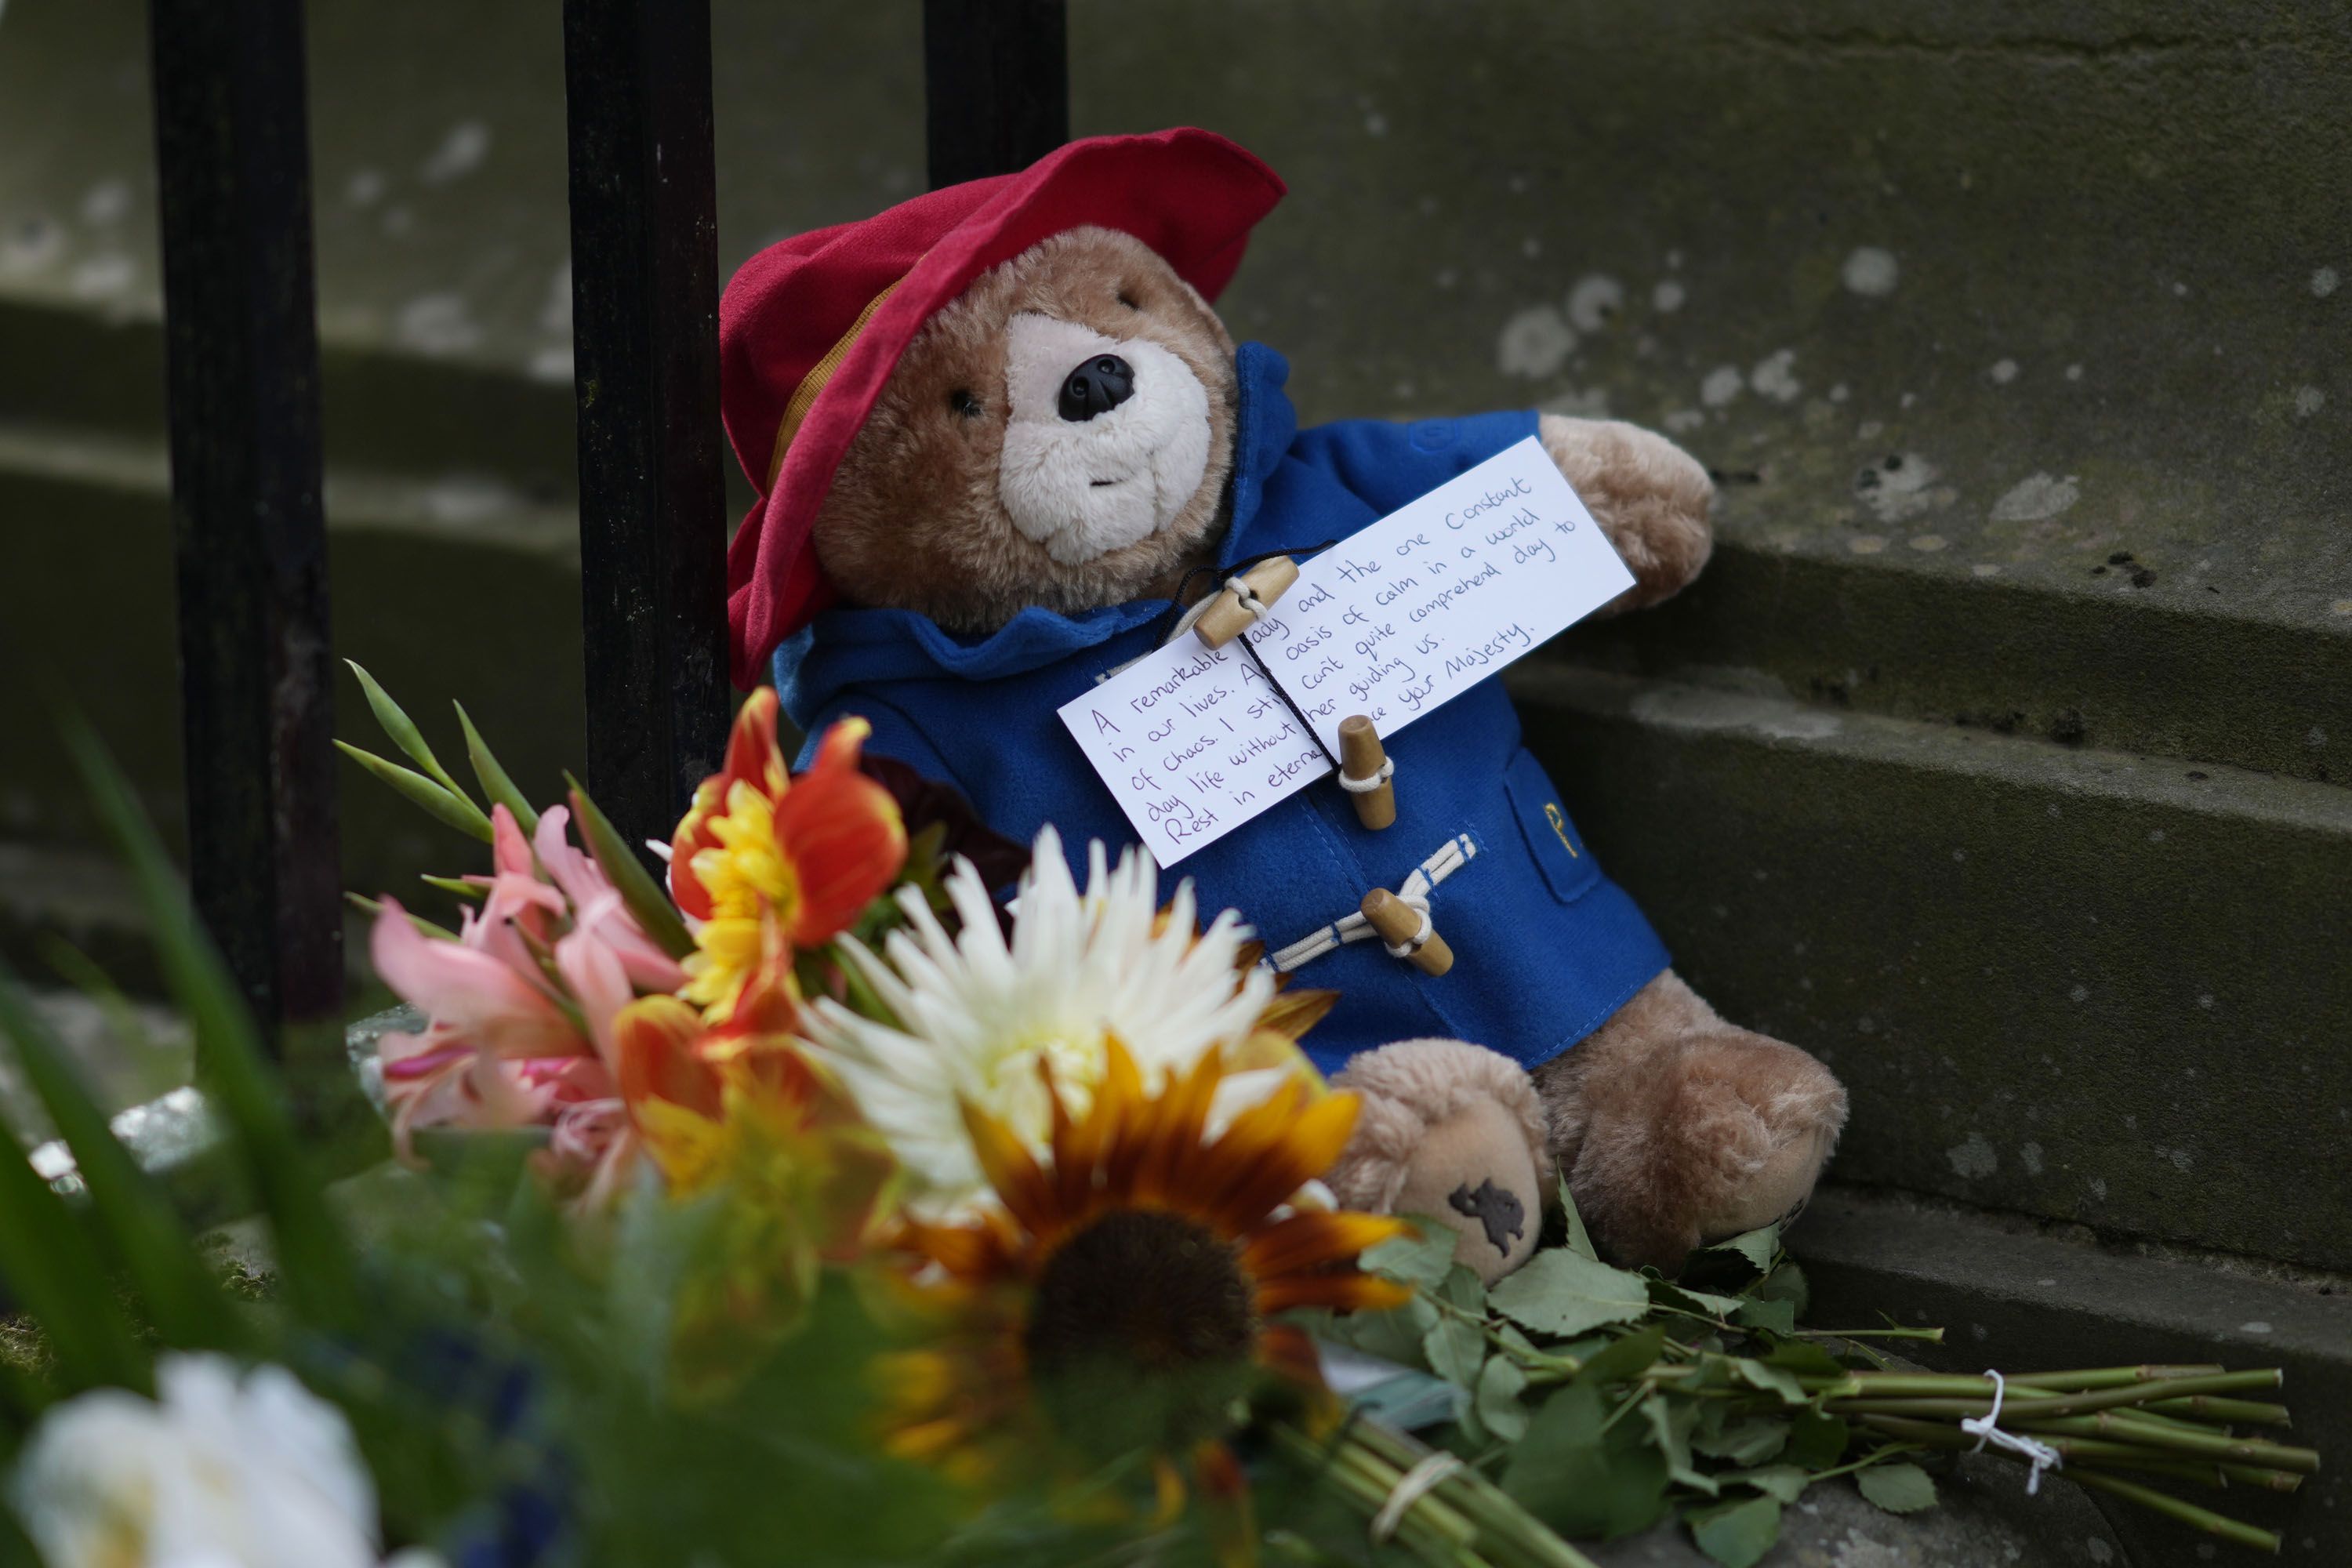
996,430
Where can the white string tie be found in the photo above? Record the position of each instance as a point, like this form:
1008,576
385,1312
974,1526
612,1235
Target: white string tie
1418,939
1987,1429
1367,785
1251,603
1411,1487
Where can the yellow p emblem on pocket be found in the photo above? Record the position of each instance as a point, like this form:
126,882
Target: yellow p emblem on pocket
1559,820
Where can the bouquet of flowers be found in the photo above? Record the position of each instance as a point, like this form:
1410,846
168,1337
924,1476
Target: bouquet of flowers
819,1199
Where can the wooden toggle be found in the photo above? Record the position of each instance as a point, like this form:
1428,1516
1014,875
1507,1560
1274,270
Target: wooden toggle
1232,613
1365,772
1407,932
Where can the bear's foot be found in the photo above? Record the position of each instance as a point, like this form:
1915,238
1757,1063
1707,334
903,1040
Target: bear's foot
1452,1131
1676,1129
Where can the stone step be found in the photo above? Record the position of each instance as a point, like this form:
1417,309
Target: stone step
2022,1297
2172,670
2073,983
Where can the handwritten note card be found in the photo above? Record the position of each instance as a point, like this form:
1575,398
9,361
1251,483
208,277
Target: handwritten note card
1391,623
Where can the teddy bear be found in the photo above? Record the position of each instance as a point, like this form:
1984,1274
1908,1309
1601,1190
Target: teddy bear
997,431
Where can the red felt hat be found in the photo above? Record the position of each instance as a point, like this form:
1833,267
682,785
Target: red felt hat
811,328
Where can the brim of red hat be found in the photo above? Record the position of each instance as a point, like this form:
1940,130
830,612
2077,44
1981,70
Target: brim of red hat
1192,195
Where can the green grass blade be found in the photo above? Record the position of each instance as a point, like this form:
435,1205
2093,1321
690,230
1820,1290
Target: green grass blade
495,782
133,1218
637,889
404,731
50,1267
454,810
315,1260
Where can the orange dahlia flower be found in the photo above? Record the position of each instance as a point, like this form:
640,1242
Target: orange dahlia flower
809,853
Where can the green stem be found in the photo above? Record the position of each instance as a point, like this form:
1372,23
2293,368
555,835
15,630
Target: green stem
2120,1426
2114,1376
2255,1476
1431,1531
1932,1336
2209,1407
2188,1514
1502,1523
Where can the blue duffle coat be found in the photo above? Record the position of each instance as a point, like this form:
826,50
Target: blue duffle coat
1546,947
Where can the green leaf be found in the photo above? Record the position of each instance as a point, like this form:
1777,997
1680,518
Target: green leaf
443,805
49,1267
1625,1358
1562,1293
472,892
1421,1257
1670,1422
1749,1442
646,899
1806,1359
315,1263
1497,1399
1579,1240
1455,1350
1394,1335
1786,1283
1737,1534
1816,1439
495,781
404,731
1667,1293
1897,1488
1756,1245
132,1216
1770,1379
1464,1288
372,907
1787,1482
1581,1479
1772,1317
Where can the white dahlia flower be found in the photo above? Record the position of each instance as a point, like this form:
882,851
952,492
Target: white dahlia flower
225,1467
979,1017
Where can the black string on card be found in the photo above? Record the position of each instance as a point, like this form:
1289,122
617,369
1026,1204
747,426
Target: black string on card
1176,612
1177,604
1304,722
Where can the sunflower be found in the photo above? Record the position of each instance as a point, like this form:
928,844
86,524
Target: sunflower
974,1018
1128,1288
758,844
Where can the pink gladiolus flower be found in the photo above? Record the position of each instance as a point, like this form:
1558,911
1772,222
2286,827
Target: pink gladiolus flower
493,1005
522,1003
598,907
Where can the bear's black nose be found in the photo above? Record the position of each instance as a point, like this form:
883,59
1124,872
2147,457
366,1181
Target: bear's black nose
1097,386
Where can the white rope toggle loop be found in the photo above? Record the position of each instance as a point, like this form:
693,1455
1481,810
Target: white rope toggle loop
1418,939
1987,1429
1367,785
1411,1487
1251,605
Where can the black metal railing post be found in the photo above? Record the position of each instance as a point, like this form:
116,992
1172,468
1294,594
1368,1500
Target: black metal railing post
996,85
242,351
644,323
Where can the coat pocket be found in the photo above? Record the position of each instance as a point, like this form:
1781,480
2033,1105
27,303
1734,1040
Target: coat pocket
1553,843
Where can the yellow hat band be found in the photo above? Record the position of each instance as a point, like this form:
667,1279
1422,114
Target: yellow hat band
804,395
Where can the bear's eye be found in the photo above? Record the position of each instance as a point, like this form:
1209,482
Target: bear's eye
1127,300
965,403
